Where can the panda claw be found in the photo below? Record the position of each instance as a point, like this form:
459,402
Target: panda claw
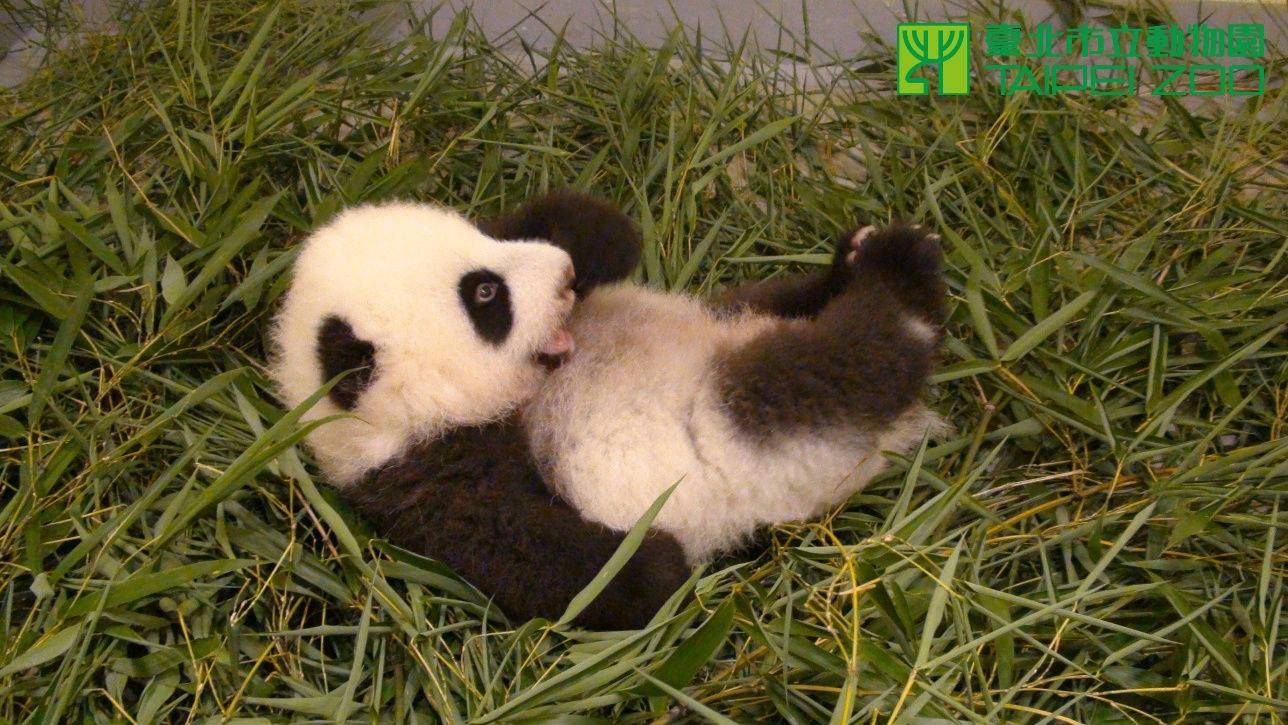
861,236
856,241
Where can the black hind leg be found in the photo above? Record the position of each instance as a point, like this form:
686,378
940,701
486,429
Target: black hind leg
605,245
863,360
792,296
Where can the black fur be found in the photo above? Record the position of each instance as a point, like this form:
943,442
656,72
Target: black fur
804,295
851,361
494,318
791,296
474,500
906,259
605,245
339,349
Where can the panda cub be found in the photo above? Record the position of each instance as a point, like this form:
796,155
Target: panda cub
446,331
770,403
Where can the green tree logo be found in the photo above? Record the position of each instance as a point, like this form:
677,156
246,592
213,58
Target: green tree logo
943,45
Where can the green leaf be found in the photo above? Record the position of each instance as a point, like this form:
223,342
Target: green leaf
166,658
234,79
1172,400
11,428
707,713
173,283
618,560
1190,524
89,240
44,650
938,602
142,585
1038,333
42,295
53,366
227,248
979,311
1214,643
683,664
766,132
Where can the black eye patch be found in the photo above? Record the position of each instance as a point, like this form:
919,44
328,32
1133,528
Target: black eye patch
339,349
489,308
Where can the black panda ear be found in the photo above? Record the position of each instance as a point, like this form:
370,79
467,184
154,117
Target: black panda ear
605,245
339,349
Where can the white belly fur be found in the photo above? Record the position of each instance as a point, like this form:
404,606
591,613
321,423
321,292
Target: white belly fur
635,410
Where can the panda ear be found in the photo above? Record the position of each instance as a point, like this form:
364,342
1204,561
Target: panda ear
605,245
340,350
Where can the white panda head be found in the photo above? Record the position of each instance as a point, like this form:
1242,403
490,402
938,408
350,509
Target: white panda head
446,327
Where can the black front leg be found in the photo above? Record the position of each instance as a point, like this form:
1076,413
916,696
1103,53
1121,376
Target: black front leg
605,245
866,356
473,501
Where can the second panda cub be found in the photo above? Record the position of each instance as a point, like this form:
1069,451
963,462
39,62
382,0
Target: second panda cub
768,404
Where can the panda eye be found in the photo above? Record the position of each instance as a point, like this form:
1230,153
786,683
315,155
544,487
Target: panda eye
484,293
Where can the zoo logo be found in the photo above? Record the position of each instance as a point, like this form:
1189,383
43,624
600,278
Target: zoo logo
946,46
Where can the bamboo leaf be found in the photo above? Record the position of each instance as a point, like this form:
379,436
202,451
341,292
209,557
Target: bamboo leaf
44,650
1024,344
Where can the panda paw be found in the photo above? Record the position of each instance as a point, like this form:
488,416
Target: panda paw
605,245
904,259
906,249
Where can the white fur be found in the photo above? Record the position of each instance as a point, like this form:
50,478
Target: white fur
636,410
920,329
392,272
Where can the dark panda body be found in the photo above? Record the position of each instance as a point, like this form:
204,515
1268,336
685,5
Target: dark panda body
474,500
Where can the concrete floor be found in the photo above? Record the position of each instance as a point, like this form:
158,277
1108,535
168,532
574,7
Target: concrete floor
835,27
